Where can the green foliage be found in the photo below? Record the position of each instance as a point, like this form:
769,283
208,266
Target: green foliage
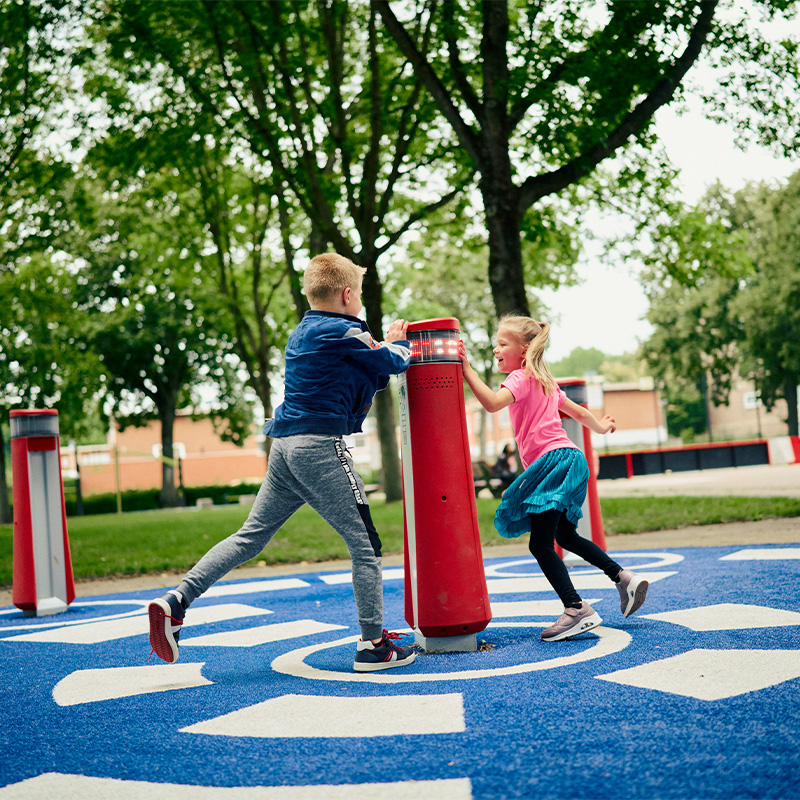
685,412
35,42
768,305
745,322
540,95
580,362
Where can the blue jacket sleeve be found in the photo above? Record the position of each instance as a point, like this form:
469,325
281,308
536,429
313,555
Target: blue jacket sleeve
381,358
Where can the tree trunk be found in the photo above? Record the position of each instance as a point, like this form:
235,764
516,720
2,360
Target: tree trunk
387,435
503,222
790,393
384,402
168,496
5,509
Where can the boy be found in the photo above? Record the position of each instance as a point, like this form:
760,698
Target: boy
333,369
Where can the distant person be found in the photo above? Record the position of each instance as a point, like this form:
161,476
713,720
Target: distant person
547,498
333,369
505,467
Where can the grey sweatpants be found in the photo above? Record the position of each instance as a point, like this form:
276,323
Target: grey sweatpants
314,469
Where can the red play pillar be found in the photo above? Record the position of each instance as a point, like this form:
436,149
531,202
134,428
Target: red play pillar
591,524
43,582
446,599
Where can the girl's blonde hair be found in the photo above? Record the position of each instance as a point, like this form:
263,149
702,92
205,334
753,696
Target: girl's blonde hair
535,335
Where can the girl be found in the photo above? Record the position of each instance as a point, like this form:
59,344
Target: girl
547,498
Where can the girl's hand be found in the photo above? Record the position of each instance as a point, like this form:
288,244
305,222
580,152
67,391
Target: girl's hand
609,423
462,354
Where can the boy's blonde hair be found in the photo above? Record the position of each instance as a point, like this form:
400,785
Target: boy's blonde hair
527,331
328,274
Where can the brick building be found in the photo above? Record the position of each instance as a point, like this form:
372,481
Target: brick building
206,460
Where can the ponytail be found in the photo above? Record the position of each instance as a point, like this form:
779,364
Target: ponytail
535,335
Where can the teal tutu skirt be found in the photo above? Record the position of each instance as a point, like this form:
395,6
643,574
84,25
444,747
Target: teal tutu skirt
557,480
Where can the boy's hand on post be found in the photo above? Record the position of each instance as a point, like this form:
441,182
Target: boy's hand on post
397,330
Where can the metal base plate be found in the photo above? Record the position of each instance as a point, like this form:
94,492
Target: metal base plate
447,644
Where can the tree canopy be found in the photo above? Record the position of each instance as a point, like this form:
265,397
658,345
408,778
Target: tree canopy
734,322
541,94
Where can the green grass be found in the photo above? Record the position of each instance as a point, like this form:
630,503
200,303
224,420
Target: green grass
642,514
150,542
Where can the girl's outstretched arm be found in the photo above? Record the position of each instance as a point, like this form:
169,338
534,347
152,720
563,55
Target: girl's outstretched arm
605,425
490,400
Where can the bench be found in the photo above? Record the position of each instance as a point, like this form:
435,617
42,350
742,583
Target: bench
482,478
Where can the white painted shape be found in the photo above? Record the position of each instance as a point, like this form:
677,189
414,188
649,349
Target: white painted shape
654,560
518,585
253,637
713,674
728,617
311,716
94,685
764,554
110,630
52,784
39,625
254,587
606,641
532,608
336,578
592,581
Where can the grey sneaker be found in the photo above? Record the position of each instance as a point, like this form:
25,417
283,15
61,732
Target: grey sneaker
371,657
572,622
166,617
632,592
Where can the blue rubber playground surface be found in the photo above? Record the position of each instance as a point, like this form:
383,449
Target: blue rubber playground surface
695,696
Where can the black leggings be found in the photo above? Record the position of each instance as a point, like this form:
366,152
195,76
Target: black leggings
551,525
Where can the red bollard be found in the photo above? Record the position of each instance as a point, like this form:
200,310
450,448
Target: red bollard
446,599
590,525
43,582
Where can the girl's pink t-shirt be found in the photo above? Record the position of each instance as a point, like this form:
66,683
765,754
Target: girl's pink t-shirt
534,417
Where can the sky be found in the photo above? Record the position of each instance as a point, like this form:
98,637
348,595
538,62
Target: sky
606,310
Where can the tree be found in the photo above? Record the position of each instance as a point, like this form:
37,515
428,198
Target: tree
443,276
768,306
739,313
540,95
244,223
147,314
34,45
581,361
39,367
315,95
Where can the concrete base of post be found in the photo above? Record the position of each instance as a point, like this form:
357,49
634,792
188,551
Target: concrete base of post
447,644
46,606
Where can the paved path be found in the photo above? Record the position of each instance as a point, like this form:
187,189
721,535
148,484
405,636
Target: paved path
763,480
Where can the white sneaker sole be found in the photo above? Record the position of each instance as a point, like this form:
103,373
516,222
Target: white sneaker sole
636,593
581,627
374,666
162,640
